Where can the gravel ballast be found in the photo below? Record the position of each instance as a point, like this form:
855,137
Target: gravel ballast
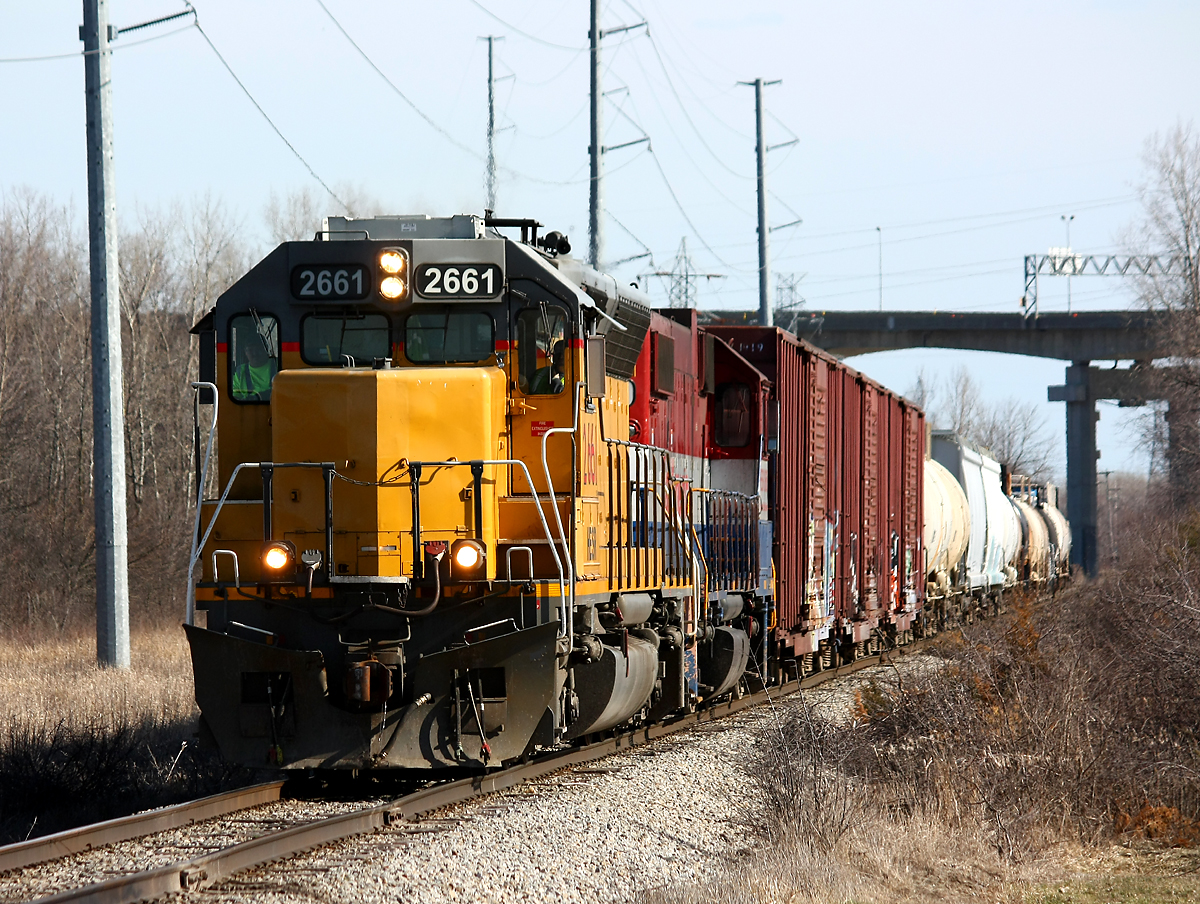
669,813
672,812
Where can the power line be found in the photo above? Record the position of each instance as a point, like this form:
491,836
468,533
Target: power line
270,122
421,113
682,212
554,78
525,34
683,146
85,53
919,282
629,233
930,235
687,116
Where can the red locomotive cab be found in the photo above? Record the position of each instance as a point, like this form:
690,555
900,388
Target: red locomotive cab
737,409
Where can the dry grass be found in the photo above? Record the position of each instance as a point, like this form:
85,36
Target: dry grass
79,743
56,679
885,857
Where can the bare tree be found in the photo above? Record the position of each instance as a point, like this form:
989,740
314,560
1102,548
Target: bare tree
297,215
174,264
1170,226
1012,430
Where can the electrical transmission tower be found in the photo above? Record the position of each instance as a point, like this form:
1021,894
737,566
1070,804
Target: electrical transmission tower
788,298
681,278
1064,262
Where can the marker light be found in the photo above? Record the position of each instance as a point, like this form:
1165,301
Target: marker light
391,262
466,556
392,287
277,557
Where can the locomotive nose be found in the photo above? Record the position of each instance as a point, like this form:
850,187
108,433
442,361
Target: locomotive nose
409,471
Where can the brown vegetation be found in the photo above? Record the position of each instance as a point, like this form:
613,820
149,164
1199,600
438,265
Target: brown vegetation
80,743
173,266
1067,724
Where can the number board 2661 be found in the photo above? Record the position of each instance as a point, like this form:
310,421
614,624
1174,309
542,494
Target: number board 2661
331,282
459,280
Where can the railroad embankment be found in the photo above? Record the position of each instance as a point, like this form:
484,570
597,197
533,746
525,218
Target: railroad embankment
1050,755
79,744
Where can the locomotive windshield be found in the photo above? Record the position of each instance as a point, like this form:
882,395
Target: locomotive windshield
449,337
327,340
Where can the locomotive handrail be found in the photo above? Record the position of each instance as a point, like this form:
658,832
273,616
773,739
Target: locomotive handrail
197,549
538,504
237,580
744,519
567,550
673,520
190,612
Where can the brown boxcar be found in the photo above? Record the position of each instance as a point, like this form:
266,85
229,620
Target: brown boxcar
845,497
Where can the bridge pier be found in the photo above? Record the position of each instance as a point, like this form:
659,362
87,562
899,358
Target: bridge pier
1081,463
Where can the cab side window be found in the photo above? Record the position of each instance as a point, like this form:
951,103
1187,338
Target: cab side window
732,421
253,356
542,350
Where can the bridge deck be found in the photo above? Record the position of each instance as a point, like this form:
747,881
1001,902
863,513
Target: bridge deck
1082,336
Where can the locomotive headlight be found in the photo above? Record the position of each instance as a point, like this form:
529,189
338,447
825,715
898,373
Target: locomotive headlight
469,559
391,287
278,555
392,262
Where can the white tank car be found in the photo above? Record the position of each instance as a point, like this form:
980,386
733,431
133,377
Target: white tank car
947,525
1058,529
994,538
1034,561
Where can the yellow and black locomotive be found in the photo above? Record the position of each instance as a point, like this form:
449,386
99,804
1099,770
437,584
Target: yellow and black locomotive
471,498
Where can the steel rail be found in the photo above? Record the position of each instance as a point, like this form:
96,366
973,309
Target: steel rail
84,838
210,868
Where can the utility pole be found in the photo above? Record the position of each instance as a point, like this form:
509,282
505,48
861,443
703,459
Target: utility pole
595,151
1067,219
108,421
491,126
764,248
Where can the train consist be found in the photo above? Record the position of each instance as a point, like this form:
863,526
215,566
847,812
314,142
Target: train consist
476,499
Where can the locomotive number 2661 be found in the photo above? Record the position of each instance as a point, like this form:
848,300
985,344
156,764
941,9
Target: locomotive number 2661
459,280
336,282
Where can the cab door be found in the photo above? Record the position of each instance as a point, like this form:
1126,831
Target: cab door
542,375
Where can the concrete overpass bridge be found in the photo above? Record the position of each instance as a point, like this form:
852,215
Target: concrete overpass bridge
1078,338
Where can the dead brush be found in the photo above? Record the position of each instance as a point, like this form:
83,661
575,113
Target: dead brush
801,785
79,743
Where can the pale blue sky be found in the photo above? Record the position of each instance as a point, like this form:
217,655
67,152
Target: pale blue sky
964,130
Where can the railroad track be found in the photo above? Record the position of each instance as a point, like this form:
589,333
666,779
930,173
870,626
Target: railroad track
291,840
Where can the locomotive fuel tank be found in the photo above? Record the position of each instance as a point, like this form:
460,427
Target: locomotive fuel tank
614,685
723,660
